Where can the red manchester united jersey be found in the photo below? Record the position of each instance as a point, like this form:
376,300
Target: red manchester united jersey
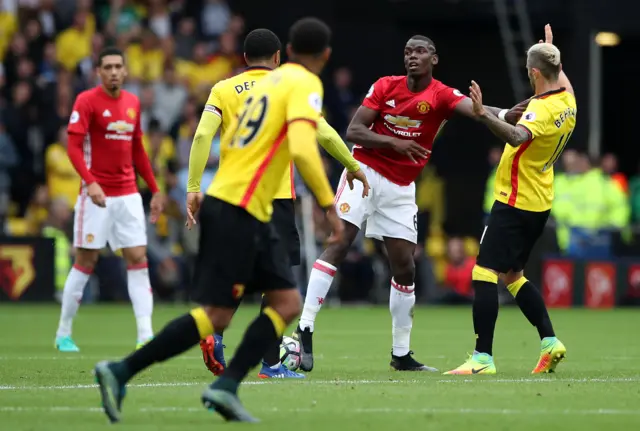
109,125
405,115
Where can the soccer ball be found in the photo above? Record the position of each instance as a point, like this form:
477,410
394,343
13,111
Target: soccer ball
290,353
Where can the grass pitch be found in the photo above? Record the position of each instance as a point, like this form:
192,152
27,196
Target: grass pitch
351,388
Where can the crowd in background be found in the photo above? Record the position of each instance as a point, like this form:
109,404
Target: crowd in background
176,50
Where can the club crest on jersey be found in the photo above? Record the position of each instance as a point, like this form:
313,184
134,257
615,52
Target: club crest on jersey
237,291
131,113
89,238
423,107
344,208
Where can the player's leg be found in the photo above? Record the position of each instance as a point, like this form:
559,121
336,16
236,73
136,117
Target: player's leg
395,222
529,298
273,274
224,264
402,300
354,210
89,236
501,237
284,223
129,234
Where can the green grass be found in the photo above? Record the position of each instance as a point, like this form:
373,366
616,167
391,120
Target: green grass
351,388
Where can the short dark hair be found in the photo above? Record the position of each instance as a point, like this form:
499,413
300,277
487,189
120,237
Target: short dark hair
309,36
110,50
424,39
261,44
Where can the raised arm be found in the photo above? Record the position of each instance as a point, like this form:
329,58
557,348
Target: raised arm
513,135
563,79
511,116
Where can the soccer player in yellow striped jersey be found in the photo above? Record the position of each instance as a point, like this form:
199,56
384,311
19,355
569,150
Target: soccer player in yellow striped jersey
262,54
240,252
523,193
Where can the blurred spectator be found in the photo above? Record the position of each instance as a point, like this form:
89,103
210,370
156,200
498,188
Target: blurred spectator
203,72
17,51
74,44
161,151
589,207
148,106
634,196
121,18
214,18
609,166
158,18
343,100
38,210
458,273
495,153
188,125
145,60
55,228
170,96
62,179
35,40
8,160
186,38
236,26
47,16
8,26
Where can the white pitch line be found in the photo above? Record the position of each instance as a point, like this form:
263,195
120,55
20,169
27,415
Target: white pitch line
433,410
341,382
75,357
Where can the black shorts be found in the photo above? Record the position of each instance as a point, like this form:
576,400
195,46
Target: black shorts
237,255
509,237
284,222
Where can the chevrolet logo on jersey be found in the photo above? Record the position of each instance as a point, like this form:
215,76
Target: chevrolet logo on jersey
402,122
120,127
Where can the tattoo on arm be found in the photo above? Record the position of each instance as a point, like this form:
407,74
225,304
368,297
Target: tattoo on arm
465,107
513,135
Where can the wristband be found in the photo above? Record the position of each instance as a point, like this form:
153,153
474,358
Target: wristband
502,114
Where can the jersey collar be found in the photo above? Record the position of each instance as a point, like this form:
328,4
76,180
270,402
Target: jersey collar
249,68
549,93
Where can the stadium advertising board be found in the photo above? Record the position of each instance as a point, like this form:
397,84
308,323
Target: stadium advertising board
26,269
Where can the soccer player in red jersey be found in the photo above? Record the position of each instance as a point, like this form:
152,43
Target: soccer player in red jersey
393,132
105,147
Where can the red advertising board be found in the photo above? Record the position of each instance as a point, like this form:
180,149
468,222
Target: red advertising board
633,288
557,283
600,285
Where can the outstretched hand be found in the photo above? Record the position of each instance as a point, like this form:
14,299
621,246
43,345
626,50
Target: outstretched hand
475,93
548,35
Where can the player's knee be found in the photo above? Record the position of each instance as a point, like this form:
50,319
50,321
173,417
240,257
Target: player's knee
135,256
86,258
335,253
480,273
219,317
288,304
404,270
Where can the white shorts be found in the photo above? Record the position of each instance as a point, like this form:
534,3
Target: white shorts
122,223
390,210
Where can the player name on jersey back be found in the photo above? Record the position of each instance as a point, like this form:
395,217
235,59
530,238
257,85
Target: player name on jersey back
254,152
524,178
405,115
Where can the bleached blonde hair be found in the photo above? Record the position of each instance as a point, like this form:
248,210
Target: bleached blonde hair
546,58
